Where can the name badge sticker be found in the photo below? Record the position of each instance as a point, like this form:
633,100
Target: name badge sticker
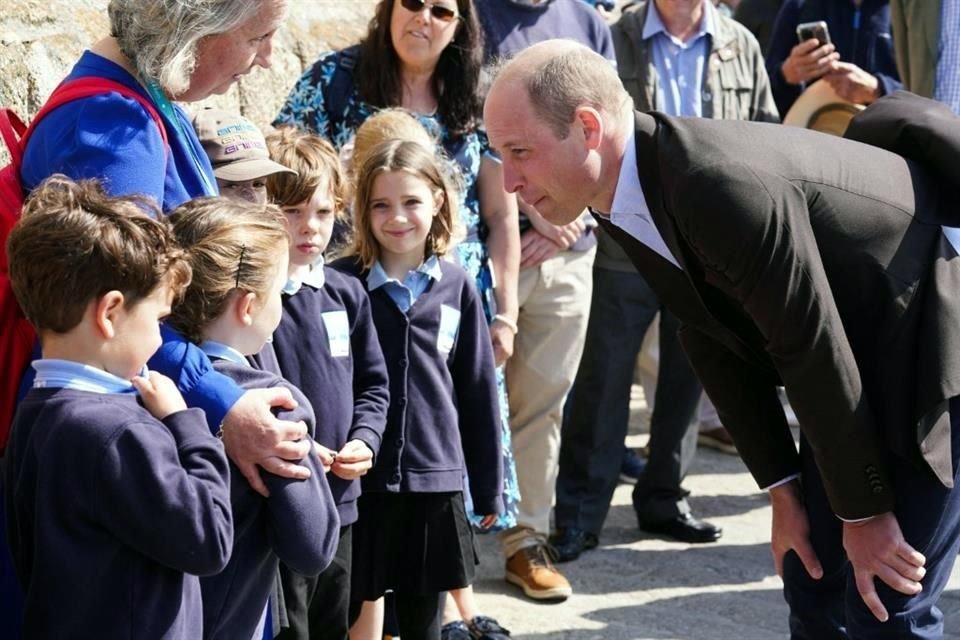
449,325
338,332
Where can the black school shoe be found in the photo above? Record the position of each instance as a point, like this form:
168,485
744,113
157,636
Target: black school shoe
456,630
568,543
485,628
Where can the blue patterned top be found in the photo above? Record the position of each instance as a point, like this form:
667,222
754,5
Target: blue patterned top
306,108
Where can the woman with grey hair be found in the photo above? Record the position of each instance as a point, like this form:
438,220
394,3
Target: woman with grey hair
165,51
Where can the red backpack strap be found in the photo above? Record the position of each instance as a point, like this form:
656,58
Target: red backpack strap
85,88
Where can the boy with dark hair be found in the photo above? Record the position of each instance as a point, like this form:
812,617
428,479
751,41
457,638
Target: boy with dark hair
115,491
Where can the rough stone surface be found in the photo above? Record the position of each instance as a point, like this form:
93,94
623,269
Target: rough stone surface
41,39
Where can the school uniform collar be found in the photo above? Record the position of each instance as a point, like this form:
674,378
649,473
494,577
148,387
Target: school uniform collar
378,276
316,278
53,373
223,352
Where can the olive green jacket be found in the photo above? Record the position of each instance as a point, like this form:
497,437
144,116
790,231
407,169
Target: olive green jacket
916,35
736,86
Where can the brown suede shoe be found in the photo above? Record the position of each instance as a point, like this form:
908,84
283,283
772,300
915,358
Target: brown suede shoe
531,570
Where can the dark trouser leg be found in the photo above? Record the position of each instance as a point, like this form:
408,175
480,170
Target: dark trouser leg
418,616
929,516
673,431
318,607
598,409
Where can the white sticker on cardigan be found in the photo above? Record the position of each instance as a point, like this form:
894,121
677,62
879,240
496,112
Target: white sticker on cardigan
338,332
449,324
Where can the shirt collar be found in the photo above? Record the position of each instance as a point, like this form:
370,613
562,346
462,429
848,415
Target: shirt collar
223,352
654,24
378,275
316,278
66,374
629,197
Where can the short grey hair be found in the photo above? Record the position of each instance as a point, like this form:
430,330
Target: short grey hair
572,78
160,37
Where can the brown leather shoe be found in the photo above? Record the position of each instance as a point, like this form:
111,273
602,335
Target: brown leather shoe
531,570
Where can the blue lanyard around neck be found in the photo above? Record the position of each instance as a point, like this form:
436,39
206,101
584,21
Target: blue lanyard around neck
166,108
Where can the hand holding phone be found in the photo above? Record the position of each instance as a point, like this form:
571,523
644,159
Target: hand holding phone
814,56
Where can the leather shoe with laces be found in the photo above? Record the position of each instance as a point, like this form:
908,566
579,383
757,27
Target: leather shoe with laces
569,542
684,528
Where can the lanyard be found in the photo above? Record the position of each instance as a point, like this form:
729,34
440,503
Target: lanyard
167,109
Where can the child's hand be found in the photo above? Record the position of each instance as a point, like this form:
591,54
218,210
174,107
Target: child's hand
326,456
488,521
353,461
160,396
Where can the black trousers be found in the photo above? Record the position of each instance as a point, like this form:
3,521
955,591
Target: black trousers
318,607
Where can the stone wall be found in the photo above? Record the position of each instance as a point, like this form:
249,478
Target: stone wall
41,39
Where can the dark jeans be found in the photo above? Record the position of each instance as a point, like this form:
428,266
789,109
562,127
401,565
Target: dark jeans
929,515
598,410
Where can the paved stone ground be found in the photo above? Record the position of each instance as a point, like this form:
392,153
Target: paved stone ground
638,587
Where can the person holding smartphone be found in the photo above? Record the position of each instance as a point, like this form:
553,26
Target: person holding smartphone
856,55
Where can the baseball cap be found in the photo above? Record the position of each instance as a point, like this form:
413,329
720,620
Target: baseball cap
235,146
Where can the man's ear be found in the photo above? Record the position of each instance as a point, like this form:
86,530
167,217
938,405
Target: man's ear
243,306
590,122
106,310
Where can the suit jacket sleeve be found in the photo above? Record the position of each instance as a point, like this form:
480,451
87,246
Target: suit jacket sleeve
764,256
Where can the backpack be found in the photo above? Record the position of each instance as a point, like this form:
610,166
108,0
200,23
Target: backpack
17,336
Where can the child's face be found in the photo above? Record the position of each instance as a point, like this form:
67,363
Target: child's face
267,311
136,334
310,225
254,191
402,208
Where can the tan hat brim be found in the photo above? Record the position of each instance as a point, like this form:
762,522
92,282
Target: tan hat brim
820,108
250,169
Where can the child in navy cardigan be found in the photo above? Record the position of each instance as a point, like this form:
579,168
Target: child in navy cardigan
413,535
327,346
115,501
238,252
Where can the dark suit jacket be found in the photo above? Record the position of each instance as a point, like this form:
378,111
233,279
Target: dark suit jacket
818,263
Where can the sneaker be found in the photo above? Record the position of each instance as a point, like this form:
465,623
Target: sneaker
717,438
631,466
531,570
456,630
484,628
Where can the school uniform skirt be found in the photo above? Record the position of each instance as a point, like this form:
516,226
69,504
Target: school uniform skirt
416,543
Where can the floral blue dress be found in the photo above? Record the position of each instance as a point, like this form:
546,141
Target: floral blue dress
328,86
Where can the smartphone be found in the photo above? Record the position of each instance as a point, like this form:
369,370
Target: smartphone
816,30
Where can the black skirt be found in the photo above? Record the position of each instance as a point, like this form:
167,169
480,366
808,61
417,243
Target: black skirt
416,543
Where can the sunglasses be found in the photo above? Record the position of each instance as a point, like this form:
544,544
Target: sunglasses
438,11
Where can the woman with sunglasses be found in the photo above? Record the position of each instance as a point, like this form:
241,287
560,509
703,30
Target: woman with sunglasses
425,56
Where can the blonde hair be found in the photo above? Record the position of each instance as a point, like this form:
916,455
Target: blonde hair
74,243
230,245
412,158
315,161
388,124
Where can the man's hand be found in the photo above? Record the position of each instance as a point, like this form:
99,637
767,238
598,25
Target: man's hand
876,549
353,461
808,60
159,394
253,436
853,83
790,529
535,248
502,337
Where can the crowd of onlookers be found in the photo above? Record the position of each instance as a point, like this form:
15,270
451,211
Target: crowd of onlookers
286,378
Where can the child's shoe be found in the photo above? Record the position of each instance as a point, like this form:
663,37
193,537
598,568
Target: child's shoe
484,628
456,630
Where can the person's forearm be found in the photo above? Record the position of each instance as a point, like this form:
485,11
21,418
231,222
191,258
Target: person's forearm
503,246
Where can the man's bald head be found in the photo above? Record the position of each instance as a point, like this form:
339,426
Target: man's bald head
559,76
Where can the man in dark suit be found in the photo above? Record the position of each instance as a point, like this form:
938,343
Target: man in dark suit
793,258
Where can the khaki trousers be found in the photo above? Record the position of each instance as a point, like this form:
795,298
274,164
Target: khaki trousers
554,308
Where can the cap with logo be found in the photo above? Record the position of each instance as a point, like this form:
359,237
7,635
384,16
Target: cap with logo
235,146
